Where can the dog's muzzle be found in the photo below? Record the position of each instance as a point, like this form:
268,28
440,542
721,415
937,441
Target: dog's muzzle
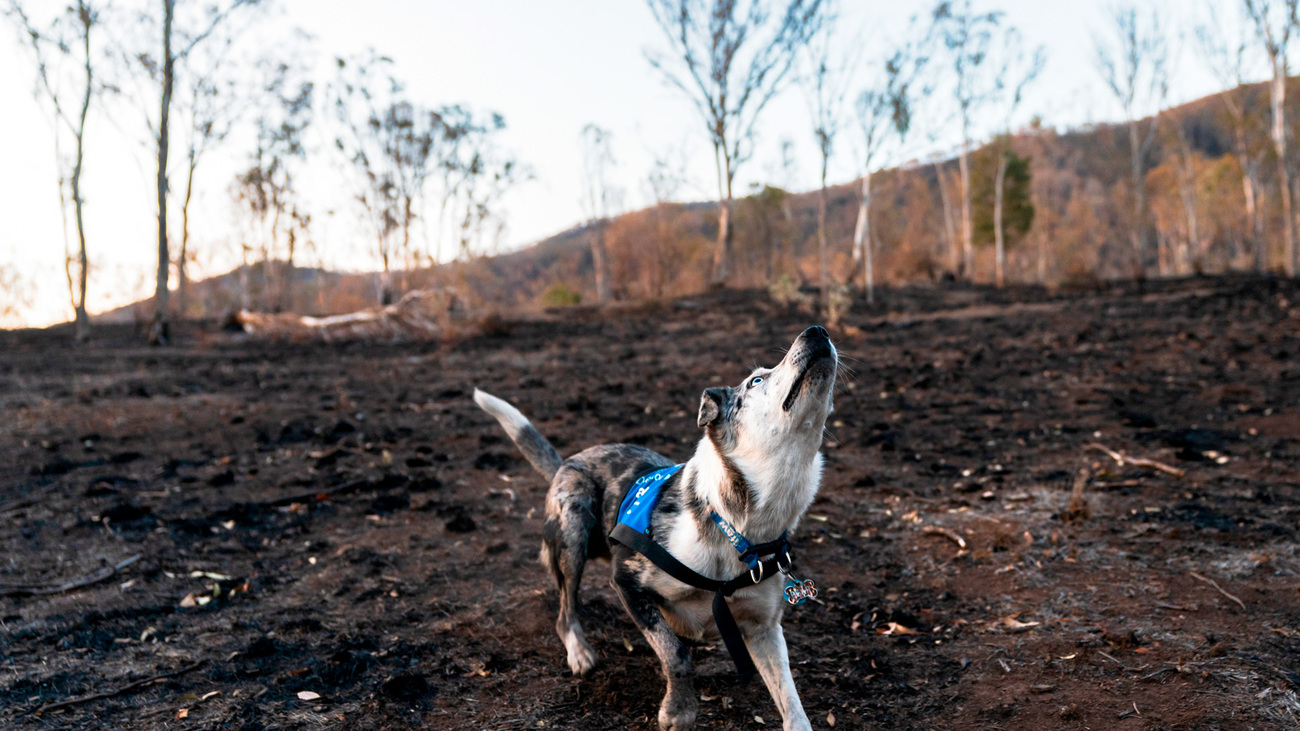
815,359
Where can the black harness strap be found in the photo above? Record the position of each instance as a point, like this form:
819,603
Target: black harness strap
722,616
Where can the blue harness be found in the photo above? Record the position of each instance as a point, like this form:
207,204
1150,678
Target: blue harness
632,530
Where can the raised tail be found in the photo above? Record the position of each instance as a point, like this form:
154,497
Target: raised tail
539,452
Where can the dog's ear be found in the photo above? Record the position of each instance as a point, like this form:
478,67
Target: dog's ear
712,405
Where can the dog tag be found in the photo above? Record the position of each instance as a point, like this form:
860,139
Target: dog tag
798,591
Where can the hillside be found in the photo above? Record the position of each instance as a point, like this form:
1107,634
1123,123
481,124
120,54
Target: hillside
1077,198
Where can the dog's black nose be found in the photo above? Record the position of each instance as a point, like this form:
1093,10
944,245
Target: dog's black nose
817,331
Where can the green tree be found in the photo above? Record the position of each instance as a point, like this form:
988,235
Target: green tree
1017,202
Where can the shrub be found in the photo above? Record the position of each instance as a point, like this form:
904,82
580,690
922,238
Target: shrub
785,291
561,295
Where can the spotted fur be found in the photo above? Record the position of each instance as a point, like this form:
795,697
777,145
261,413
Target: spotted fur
757,465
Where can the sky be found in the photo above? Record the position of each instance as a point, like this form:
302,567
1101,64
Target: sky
549,67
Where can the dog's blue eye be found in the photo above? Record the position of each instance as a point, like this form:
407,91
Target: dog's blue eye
755,381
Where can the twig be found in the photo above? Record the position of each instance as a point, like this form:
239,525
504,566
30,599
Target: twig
1124,459
1112,659
1218,588
321,495
26,502
1078,507
1158,673
129,687
934,530
99,575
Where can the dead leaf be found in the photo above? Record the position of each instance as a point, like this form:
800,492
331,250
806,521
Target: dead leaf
307,695
188,601
182,713
894,628
1015,625
830,719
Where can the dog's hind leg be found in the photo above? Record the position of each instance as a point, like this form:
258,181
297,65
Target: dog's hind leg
679,707
569,522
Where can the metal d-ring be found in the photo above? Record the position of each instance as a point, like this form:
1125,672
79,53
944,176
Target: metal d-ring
759,568
786,568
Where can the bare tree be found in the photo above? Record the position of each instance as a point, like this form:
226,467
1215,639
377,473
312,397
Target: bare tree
1188,253
598,200
177,43
1274,29
67,36
364,97
730,57
883,113
215,98
968,38
1229,62
267,189
666,178
826,84
15,294
1018,72
1135,69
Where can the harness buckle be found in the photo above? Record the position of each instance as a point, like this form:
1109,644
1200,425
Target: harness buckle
783,568
760,570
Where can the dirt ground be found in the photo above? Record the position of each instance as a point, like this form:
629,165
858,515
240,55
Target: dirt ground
342,520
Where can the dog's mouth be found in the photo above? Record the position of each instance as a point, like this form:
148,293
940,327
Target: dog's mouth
818,362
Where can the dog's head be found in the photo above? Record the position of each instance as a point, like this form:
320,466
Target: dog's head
775,409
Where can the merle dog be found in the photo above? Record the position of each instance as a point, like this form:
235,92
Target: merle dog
758,466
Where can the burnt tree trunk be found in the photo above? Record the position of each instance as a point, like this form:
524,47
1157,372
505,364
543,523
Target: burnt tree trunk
159,332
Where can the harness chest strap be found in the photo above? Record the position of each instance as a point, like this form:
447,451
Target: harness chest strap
630,531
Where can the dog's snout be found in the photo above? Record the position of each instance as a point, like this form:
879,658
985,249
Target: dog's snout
817,331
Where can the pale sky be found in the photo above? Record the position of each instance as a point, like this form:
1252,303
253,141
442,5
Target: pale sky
549,67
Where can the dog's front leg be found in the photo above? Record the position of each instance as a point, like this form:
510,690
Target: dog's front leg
679,707
766,645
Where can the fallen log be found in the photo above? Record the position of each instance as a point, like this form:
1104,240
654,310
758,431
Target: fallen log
419,315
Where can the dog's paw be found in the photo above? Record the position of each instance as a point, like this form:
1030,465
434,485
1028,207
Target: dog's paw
582,659
678,716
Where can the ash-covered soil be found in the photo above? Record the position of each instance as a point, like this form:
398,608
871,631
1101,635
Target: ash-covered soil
342,520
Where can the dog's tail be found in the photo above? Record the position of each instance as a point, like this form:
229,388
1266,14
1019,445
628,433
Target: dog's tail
539,452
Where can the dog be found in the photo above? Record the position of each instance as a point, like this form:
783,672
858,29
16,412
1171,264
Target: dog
755,471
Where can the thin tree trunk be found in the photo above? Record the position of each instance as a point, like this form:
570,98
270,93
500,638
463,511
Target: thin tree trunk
1187,190
385,282
600,262
287,276
967,233
862,240
947,219
82,328
158,333
1139,201
1248,192
722,252
998,232
1283,168
823,276
182,276
1252,214
1042,256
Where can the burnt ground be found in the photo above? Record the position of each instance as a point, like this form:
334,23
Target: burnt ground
343,520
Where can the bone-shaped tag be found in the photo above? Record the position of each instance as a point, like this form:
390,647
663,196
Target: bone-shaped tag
799,591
